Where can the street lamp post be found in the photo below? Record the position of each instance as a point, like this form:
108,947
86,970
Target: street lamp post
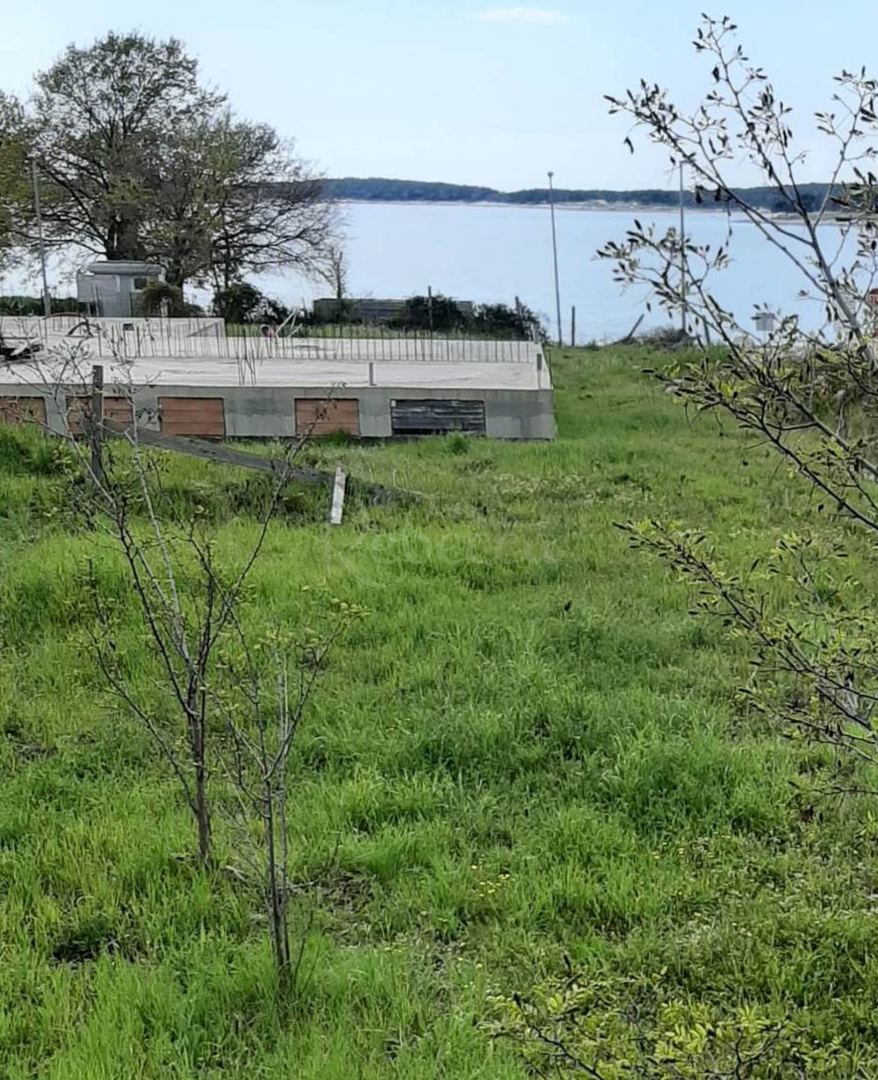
683,293
47,300
555,257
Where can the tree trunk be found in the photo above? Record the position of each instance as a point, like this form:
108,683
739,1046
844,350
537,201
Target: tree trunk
202,813
123,242
276,894
196,722
175,275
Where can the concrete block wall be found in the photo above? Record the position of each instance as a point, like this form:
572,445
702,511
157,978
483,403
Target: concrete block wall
263,412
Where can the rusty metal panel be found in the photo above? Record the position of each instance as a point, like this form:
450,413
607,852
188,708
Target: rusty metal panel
23,410
437,416
201,418
323,416
117,409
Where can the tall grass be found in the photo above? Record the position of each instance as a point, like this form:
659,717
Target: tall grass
527,750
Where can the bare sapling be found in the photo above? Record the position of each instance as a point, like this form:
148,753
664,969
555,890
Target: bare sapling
186,600
270,679
804,383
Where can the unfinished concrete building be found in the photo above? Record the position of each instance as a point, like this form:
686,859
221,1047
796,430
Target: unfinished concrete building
186,377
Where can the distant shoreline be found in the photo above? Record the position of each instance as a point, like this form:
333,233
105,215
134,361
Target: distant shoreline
586,207
612,208
768,200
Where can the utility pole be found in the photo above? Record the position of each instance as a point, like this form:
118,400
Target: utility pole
555,256
47,300
683,293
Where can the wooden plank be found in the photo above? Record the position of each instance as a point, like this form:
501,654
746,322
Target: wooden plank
23,410
227,455
324,416
200,417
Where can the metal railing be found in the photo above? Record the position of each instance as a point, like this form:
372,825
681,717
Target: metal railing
134,339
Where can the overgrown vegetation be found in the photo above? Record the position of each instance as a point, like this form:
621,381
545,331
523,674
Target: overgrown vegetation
427,314
33,305
243,304
529,750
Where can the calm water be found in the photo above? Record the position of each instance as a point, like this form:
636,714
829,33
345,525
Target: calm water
494,253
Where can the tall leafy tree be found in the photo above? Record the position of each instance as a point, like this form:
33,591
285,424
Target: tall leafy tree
103,116
140,161
14,189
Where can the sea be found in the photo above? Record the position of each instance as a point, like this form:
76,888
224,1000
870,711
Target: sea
495,253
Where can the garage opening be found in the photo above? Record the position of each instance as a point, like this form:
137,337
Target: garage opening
116,409
437,416
198,418
23,410
324,416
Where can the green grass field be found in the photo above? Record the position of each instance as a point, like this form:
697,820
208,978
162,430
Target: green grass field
528,749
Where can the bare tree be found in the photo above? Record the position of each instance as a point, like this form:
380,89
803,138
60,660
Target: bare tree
184,624
271,679
271,214
231,199
797,388
240,695
334,271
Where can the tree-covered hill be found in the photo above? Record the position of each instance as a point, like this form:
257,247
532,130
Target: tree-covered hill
378,189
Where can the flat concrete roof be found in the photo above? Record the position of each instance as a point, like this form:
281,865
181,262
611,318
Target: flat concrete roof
143,352
192,339
284,372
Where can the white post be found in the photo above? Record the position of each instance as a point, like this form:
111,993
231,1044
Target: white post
555,258
338,491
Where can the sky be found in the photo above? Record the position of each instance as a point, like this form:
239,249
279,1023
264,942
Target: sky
465,91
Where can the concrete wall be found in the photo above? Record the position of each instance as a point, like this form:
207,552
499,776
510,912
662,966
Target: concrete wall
264,412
